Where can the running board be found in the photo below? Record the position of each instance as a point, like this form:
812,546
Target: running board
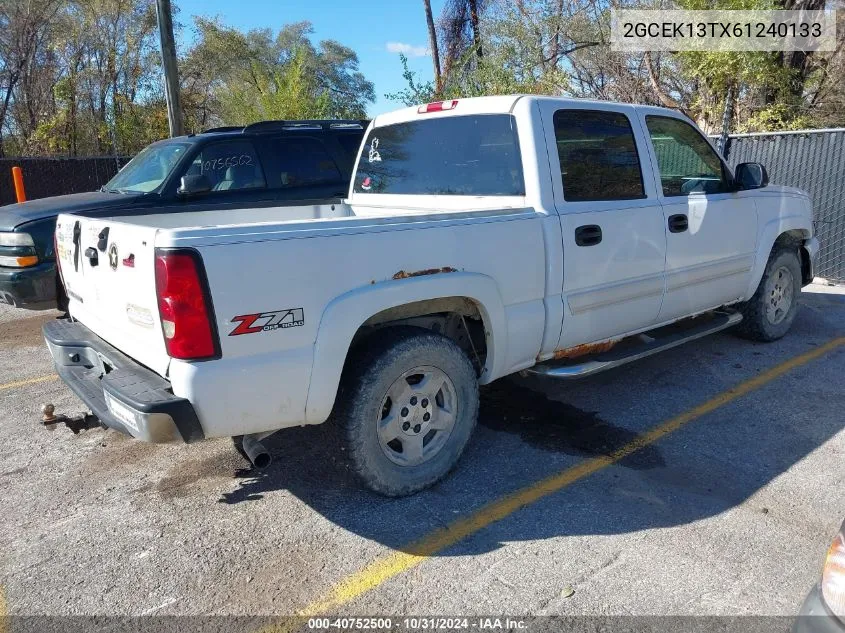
639,346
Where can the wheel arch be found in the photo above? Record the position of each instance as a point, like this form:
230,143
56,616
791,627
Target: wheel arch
790,230
457,318
398,301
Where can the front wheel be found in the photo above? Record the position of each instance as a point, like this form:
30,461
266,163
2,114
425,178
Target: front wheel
408,402
769,314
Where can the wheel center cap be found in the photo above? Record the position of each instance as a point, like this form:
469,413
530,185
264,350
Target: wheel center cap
417,419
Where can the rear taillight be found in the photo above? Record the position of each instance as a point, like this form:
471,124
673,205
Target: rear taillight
184,305
437,106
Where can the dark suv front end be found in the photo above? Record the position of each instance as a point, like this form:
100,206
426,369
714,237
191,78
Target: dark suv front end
28,265
28,276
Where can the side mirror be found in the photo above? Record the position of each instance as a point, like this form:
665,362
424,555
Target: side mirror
750,176
194,184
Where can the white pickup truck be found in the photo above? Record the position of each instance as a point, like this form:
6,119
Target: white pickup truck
481,237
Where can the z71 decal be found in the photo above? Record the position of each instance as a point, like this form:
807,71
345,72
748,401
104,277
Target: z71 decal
267,321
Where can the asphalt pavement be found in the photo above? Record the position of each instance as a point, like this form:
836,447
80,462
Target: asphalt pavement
707,480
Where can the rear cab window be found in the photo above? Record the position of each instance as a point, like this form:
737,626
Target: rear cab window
469,155
598,156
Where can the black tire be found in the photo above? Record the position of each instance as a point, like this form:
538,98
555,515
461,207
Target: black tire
363,407
757,322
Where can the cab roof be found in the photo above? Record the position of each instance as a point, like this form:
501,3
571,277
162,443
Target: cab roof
503,104
274,127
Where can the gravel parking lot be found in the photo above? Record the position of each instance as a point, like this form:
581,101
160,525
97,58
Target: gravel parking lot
726,509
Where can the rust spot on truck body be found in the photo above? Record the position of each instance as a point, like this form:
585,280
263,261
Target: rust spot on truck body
583,350
428,271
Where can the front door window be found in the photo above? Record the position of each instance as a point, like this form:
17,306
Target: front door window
687,162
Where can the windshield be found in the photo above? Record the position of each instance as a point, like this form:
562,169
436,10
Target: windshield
148,169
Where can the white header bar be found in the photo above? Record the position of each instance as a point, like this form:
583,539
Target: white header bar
637,30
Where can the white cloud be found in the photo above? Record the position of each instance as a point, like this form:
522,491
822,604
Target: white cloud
409,49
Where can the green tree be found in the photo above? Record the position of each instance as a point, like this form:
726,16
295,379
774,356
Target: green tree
89,82
556,47
284,93
83,77
415,92
25,31
231,77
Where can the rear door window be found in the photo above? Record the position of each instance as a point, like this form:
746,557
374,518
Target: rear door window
350,144
302,162
229,166
471,155
598,156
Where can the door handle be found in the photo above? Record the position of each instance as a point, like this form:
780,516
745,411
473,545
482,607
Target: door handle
588,235
678,223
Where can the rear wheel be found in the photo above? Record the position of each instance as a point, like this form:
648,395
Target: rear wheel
769,314
408,402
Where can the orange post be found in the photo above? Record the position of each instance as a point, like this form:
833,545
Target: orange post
17,176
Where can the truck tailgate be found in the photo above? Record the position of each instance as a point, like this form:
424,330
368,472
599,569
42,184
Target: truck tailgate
108,269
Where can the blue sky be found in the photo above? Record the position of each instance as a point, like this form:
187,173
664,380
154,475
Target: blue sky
376,30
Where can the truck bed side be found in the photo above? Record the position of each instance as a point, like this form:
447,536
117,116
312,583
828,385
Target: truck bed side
310,287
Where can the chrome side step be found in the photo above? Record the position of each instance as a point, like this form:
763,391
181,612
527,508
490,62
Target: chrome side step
639,346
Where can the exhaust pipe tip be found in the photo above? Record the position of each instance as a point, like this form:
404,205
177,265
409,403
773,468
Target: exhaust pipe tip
256,452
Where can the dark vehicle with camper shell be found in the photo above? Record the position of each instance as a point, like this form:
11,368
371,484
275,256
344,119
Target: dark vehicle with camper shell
265,164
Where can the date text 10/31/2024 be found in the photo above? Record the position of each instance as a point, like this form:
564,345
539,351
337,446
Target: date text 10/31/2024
418,623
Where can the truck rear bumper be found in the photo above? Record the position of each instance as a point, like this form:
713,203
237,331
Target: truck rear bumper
124,395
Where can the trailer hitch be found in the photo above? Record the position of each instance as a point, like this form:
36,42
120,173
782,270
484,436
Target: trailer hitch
75,423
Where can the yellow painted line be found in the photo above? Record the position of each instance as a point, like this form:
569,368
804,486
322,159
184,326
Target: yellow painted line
28,381
4,611
383,569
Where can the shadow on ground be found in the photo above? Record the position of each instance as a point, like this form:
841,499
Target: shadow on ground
525,435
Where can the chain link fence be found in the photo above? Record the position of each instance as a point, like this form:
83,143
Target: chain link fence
44,177
812,160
